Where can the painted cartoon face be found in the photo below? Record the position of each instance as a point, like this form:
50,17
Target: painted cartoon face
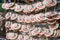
15,26
20,18
41,16
30,8
34,32
42,32
53,27
53,3
48,33
39,6
37,17
20,37
13,16
24,28
5,6
50,3
8,15
27,19
8,24
26,37
30,27
11,35
17,8
25,9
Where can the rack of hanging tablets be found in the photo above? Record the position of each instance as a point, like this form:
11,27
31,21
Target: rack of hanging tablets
15,33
